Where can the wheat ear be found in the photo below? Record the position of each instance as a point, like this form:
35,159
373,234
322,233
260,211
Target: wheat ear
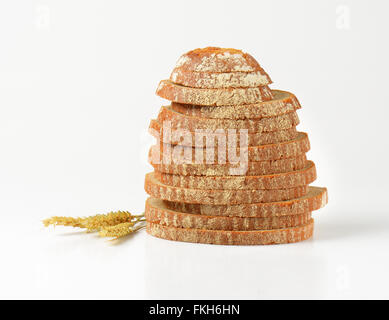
113,224
122,229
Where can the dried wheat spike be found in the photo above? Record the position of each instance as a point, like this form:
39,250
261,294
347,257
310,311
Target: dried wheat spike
121,230
93,223
106,220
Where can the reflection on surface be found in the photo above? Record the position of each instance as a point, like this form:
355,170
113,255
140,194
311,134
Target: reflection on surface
347,258
185,270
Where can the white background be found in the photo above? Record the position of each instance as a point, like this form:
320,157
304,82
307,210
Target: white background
77,83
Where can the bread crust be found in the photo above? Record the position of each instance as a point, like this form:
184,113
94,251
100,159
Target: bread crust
285,180
283,102
212,97
257,237
157,212
180,121
159,190
253,167
315,199
253,139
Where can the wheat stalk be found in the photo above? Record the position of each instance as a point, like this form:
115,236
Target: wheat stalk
113,224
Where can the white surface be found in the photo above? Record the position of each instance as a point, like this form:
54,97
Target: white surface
77,82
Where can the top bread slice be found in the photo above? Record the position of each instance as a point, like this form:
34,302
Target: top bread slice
218,68
217,60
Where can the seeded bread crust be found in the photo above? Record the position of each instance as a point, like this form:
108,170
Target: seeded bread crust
315,199
283,102
181,121
253,168
253,139
257,237
212,97
159,190
266,182
157,212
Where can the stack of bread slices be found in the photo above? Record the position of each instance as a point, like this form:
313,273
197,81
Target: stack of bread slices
230,166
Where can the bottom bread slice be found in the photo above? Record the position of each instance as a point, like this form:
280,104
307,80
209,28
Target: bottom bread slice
257,237
156,211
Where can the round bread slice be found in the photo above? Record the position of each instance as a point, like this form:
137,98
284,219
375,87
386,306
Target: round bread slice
233,182
283,102
257,237
217,60
157,212
315,199
214,154
159,190
196,138
188,123
212,80
253,167
212,97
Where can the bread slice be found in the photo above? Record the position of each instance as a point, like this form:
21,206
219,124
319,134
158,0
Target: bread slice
181,121
217,80
157,212
257,237
253,139
253,168
266,182
213,97
159,190
216,60
315,199
282,150
283,102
